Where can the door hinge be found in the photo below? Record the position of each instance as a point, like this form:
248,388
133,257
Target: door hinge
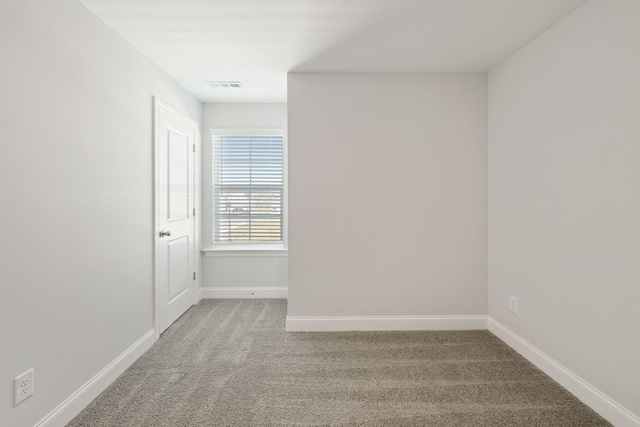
194,275
194,148
194,211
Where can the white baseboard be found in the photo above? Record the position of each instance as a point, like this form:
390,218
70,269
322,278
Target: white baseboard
75,403
242,292
384,323
588,394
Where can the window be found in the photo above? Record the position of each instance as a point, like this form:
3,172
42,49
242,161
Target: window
248,187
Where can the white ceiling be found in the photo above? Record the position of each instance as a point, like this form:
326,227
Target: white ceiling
259,41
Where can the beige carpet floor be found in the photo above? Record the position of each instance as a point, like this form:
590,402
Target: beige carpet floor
230,363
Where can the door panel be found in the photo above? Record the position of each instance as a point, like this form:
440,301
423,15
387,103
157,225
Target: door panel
178,263
178,165
175,225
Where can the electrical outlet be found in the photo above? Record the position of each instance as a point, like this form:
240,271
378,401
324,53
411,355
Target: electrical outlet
22,387
513,305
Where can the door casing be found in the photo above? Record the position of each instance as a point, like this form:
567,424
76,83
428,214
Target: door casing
157,106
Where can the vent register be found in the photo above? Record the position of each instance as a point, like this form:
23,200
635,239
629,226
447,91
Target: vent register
219,84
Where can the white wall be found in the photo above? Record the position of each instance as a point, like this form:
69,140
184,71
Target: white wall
76,186
224,272
387,194
564,195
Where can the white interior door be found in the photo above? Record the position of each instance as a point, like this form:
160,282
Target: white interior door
175,225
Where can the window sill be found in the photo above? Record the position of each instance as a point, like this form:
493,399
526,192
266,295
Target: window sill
246,251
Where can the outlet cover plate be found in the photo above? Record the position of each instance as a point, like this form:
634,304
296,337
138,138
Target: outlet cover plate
513,305
22,387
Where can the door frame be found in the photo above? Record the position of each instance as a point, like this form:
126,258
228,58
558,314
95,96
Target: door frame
157,106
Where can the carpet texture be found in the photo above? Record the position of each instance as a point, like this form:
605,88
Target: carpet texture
230,363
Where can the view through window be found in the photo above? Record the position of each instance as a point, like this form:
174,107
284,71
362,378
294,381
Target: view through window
247,188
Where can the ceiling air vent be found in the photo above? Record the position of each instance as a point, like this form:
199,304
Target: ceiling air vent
225,84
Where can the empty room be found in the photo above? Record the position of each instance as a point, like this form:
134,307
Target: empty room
320,213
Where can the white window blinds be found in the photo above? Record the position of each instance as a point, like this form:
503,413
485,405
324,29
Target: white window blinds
247,187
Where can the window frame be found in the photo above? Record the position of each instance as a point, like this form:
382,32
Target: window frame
256,245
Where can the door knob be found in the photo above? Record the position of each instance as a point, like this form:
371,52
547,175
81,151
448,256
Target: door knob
165,233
